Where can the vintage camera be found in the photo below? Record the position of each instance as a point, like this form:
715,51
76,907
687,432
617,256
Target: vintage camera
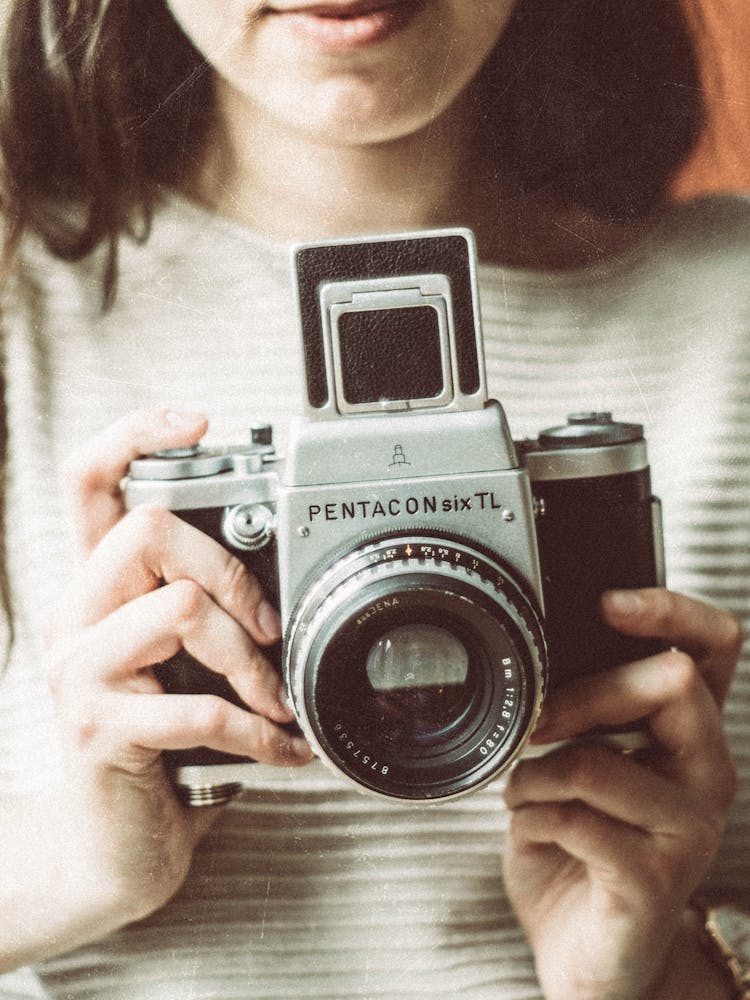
431,584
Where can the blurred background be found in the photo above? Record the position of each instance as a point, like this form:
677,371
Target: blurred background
722,161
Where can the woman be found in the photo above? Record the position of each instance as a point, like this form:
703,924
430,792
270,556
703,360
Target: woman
212,136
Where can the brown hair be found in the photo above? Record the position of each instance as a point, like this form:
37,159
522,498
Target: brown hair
598,103
103,103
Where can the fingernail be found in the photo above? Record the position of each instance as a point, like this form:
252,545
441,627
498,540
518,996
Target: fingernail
183,420
283,699
268,620
300,748
625,602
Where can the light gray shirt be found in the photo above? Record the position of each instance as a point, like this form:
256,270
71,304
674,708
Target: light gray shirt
305,888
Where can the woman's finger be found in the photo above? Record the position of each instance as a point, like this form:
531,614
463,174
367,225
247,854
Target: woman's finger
152,545
613,784
614,850
669,692
153,628
94,472
710,635
179,722
622,863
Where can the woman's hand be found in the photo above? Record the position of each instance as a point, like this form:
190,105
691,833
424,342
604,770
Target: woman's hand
605,848
150,585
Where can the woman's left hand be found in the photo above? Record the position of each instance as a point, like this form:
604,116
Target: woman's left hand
606,848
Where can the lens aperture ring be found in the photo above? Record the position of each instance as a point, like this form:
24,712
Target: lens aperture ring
398,580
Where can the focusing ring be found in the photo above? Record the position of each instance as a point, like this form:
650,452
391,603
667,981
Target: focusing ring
433,574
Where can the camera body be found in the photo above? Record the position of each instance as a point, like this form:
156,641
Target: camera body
411,546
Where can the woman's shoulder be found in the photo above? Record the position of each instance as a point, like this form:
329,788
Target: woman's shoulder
690,245
701,249
175,235
712,222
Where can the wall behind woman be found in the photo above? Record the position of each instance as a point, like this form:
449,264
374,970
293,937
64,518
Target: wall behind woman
722,160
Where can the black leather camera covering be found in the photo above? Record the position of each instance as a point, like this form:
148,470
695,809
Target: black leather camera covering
440,254
409,337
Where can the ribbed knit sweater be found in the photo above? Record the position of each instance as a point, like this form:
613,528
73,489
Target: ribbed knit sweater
305,888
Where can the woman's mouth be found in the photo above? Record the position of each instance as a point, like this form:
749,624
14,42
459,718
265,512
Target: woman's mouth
342,26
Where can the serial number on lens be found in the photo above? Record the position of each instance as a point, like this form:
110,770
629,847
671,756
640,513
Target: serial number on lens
358,753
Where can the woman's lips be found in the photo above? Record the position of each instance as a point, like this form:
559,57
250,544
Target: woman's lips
333,27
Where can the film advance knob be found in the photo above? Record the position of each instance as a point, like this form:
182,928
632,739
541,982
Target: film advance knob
590,430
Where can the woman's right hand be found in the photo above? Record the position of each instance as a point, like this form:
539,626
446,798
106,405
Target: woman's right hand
149,585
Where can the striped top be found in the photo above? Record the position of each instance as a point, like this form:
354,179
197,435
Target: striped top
305,888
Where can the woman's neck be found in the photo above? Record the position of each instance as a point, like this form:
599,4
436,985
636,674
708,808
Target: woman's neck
290,187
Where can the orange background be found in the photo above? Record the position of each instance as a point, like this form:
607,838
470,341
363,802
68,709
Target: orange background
722,160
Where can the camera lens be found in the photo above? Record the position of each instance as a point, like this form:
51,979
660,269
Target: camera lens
417,680
416,666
